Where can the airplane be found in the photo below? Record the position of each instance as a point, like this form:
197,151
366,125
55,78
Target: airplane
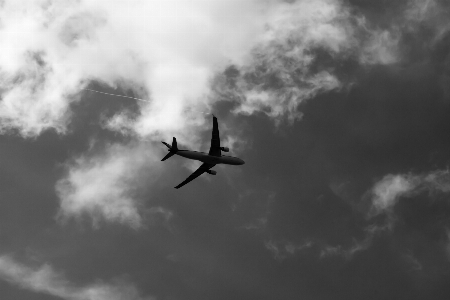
209,160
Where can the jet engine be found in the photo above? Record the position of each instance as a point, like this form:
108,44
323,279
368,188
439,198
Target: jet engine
211,172
225,149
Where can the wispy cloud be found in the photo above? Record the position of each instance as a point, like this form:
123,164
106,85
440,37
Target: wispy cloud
429,22
430,13
285,68
45,279
387,192
282,249
346,251
412,261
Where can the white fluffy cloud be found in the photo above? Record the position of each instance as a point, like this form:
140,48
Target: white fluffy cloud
104,186
51,49
45,279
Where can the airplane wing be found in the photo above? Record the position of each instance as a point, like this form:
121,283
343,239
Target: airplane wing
202,169
215,139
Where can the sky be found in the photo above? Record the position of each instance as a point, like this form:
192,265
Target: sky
340,109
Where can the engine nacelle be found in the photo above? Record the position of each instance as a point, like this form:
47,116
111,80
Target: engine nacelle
225,149
211,172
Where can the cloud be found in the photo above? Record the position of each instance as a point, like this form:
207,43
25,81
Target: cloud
429,23
165,49
161,216
387,192
381,48
104,186
412,261
284,249
431,13
347,252
383,196
287,66
46,280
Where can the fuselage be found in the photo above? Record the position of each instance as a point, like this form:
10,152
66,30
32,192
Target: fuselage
210,159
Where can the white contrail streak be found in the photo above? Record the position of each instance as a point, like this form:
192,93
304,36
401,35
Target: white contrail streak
139,99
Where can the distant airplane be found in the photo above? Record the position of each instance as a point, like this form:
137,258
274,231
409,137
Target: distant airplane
209,160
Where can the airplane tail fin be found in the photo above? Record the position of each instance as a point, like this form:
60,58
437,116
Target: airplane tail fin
174,144
172,149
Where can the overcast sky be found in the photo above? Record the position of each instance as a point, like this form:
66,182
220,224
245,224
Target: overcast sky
340,109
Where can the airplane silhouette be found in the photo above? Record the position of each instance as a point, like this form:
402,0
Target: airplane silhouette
209,160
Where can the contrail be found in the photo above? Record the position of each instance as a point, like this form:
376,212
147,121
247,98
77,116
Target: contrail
139,99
